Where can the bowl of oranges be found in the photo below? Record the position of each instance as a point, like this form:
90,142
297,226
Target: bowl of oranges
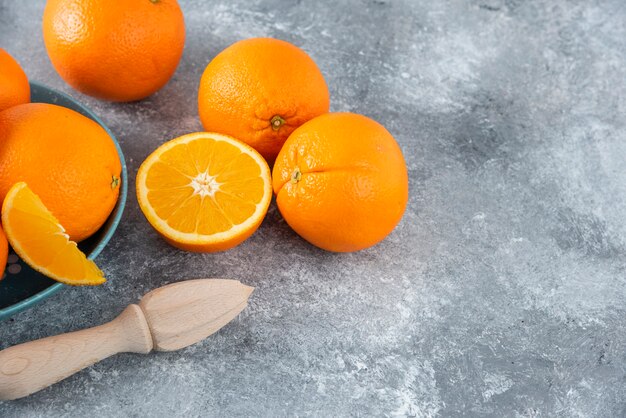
78,173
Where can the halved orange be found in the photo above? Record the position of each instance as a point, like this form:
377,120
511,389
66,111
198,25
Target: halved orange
40,240
204,191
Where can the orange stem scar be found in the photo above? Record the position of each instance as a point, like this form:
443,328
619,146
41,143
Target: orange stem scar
276,122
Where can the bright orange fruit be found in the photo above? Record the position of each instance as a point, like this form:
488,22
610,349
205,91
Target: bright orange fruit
259,90
341,182
40,240
204,191
14,87
4,252
67,159
114,50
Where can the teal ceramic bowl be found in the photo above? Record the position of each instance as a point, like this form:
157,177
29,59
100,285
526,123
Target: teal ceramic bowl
22,287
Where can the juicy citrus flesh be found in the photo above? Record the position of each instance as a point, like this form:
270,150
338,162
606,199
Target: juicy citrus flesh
341,182
204,191
259,90
39,239
114,50
67,159
14,87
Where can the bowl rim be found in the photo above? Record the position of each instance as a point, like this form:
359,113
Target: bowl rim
117,213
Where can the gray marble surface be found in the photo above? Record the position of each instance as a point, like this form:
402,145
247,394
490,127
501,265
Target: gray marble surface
502,292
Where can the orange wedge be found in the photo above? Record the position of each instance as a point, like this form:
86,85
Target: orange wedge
40,240
204,191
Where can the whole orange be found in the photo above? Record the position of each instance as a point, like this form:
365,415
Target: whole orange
114,50
4,252
67,159
341,182
14,88
259,90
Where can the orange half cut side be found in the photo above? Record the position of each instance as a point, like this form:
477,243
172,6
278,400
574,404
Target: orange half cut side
204,191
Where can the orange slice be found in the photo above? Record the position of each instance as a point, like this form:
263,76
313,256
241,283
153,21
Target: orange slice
204,191
40,240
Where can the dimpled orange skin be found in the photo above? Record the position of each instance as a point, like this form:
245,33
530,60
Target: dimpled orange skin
256,83
114,50
4,252
14,88
341,182
67,159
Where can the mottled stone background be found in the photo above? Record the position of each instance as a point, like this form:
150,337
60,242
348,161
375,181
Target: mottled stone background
502,292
